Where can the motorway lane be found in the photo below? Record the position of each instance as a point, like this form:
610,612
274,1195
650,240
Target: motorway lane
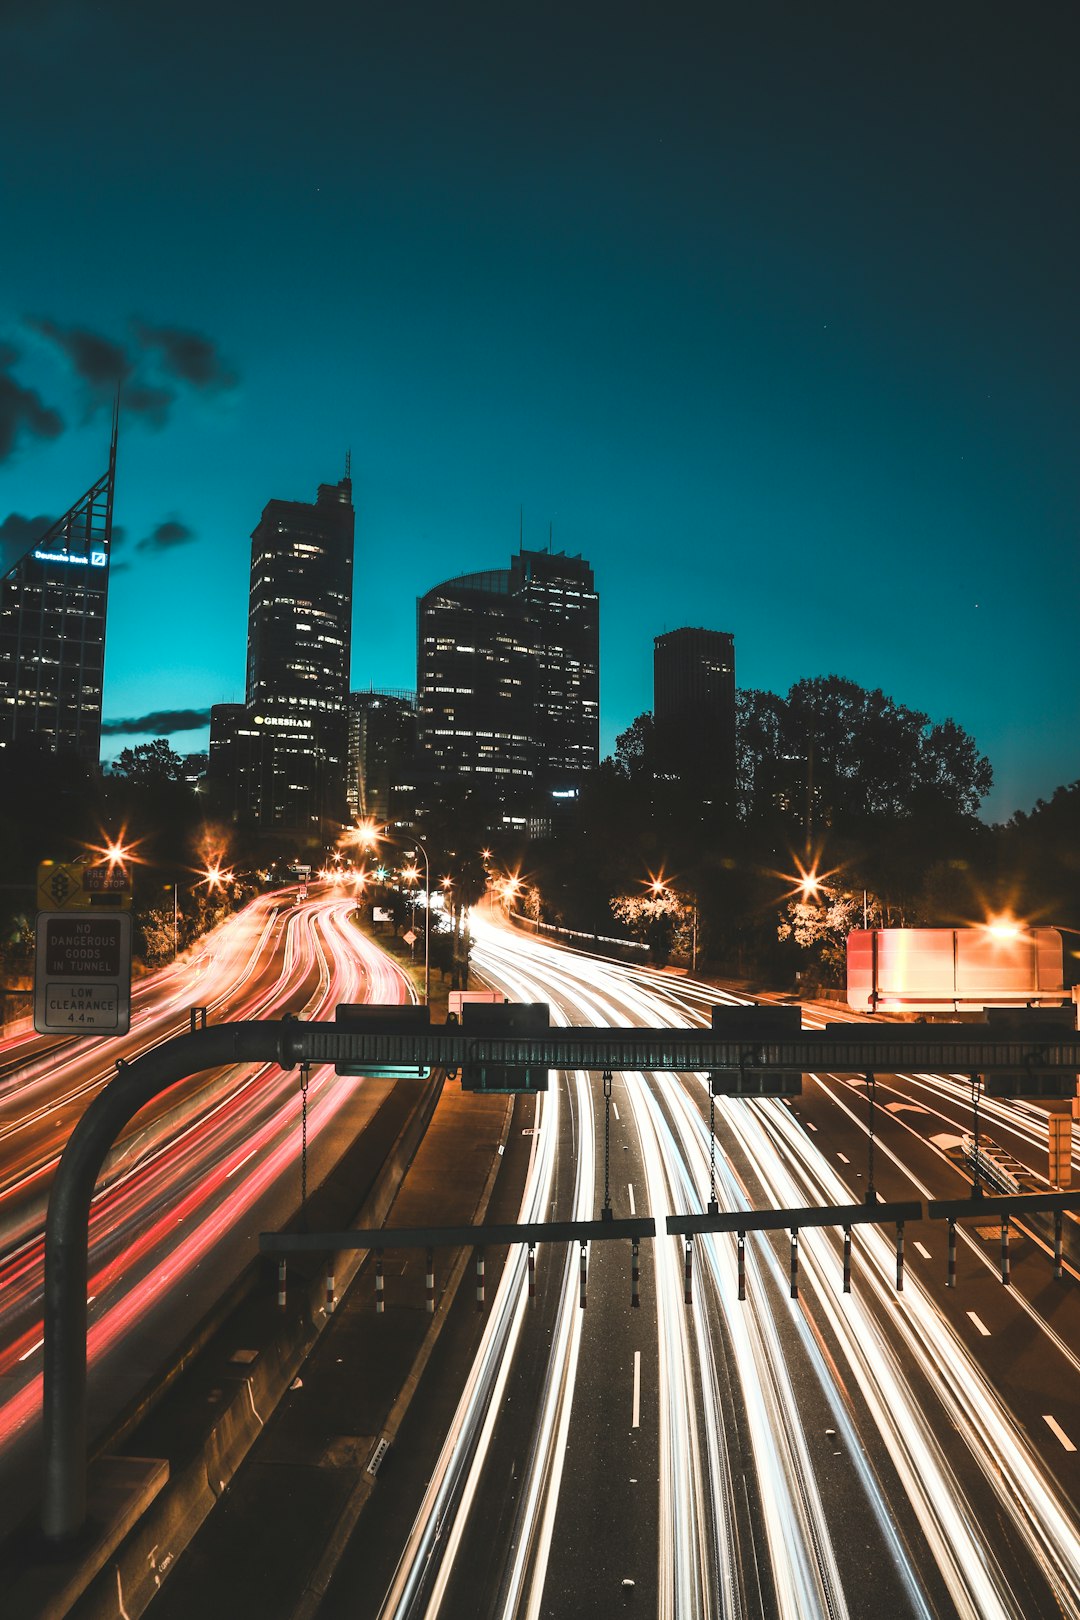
916,1518
175,1217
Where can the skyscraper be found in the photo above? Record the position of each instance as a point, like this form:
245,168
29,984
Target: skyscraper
382,750
508,676
53,601
280,759
694,714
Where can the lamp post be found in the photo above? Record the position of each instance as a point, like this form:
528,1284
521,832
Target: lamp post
370,836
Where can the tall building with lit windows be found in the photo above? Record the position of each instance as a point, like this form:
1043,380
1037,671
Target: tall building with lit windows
508,678
280,759
53,602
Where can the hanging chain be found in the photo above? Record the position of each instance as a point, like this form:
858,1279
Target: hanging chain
871,1191
713,1205
305,1077
606,1213
976,1093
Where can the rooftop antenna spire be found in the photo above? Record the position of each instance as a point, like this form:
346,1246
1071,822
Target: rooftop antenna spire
110,487
348,465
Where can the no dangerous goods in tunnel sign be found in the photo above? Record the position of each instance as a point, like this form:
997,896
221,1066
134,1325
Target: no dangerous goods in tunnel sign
82,973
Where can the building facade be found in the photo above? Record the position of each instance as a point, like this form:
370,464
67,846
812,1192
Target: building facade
279,761
508,678
382,755
53,604
694,715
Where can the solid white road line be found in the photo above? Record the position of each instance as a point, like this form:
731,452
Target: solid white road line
980,1324
636,1420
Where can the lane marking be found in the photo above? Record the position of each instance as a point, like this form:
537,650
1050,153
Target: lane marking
1056,1429
843,1158
923,1250
980,1324
810,1125
240,1166
614,1108
630,1190
636,1420
33,1347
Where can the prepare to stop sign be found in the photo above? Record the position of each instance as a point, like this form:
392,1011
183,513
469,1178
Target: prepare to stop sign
82,973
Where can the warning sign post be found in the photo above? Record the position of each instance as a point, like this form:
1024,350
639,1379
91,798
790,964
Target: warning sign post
82,973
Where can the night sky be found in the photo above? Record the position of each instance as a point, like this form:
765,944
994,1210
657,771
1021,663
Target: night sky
768,310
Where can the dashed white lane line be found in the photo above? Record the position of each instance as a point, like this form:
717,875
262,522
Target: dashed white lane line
810,1125
636,1420
630,1190
980,1324
1058,1431
923,1250
614,1108
843,1158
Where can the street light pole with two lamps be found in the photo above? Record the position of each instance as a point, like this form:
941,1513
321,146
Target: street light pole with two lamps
369,837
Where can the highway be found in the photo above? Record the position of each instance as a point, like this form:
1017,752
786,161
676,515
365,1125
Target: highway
827,1455
197,1174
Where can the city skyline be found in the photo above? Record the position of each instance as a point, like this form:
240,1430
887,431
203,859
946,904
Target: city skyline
773,322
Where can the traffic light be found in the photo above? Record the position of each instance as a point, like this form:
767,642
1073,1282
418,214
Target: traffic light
751,1027
506,1018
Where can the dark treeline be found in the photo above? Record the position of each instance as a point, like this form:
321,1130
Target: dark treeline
873,800
53,806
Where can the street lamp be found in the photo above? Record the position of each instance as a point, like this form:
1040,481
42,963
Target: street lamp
660,888
368,836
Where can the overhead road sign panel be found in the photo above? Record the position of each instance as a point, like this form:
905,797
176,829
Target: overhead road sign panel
384,1018
524,1018
751,1025
82,973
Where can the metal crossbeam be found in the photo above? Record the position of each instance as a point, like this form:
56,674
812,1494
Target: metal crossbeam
737,1220
1002,1204
847,1048
455,1237
782,1220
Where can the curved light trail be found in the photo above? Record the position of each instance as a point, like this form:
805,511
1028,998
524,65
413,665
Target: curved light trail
180,1192
855,1341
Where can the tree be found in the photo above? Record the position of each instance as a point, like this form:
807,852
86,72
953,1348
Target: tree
149,764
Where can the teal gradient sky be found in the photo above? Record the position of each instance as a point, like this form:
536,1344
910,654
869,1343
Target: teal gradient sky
770,311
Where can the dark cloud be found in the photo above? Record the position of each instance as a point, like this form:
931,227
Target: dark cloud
23,412
149,401
190,357
17,530
162,723
98,361
165,535
147,376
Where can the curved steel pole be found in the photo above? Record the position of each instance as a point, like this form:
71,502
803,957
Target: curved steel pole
67,1239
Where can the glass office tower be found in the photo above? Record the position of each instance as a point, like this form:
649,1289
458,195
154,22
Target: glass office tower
53,602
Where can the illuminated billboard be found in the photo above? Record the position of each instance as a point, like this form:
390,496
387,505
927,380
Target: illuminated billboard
953,969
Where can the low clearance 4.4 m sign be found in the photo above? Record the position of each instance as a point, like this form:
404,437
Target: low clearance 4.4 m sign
82,973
